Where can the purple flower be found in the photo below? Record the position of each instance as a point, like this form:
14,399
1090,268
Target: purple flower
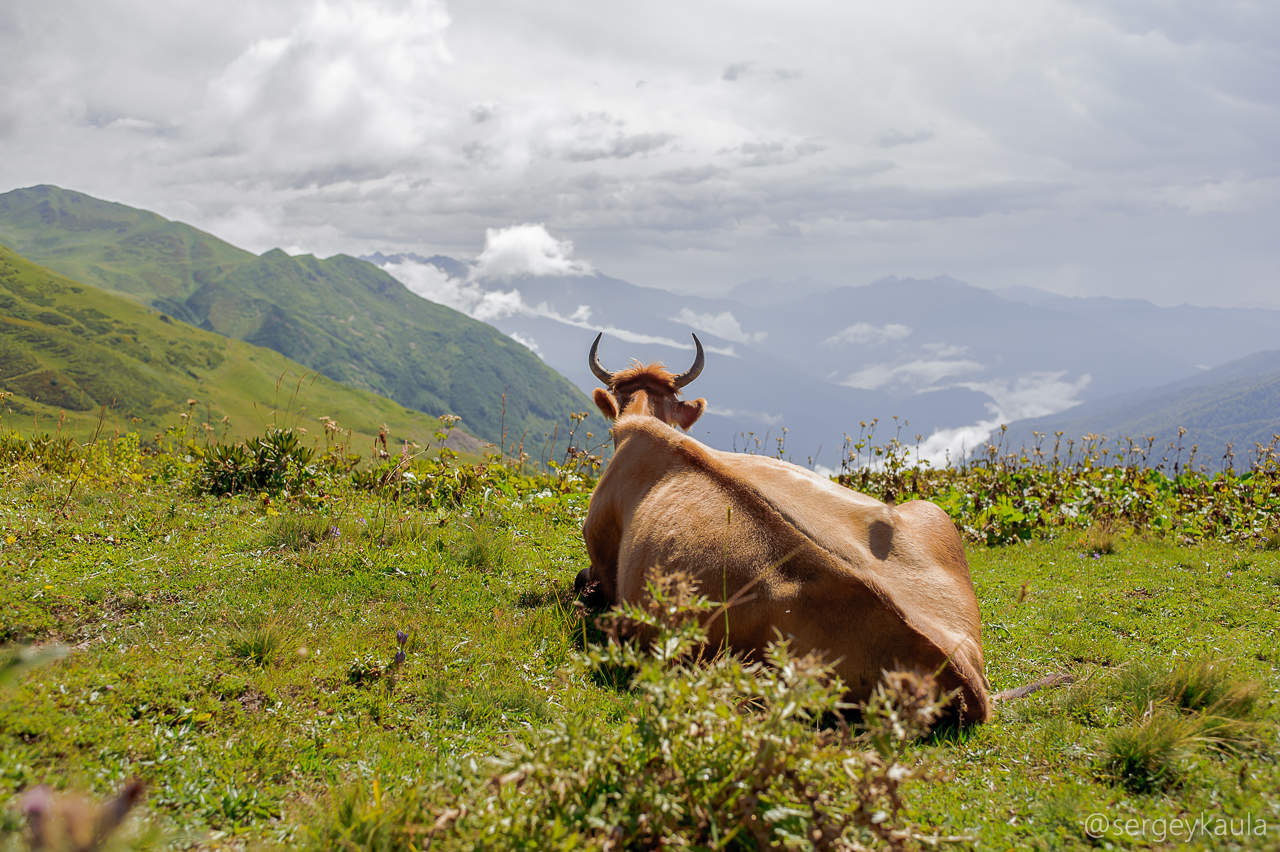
400,657
401,638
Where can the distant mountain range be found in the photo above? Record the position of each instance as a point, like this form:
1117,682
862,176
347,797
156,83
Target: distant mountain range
955,361
67,351
341,316
1234,405
937,358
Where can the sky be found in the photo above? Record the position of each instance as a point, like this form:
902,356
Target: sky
1127,148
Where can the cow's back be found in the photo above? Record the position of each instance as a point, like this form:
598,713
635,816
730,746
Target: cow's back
878,587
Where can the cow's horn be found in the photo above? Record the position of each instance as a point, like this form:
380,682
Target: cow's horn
596,367
692,373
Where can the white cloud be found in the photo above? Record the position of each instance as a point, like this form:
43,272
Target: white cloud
953,446
723,325
473,298
525,250
862,332
432,283
1033,395
355,78
918,374
527,342
759,416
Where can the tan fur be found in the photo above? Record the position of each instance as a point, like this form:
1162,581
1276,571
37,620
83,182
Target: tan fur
874,587
651,390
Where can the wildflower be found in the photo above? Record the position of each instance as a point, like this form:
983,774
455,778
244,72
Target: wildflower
334,532
401,638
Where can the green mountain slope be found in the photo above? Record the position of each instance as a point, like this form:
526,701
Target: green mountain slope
341,316
111,246
69,349
1235,403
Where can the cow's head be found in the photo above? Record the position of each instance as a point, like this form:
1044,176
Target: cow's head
647,390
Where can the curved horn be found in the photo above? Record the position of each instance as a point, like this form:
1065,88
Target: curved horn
596,367
699,361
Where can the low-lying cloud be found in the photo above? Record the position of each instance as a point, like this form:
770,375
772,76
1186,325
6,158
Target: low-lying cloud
860,333
1033,395
916,375
723,325
472,297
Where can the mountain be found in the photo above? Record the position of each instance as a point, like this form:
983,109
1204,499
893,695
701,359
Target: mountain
1236,403
1204,336
67,350
340,316
955,361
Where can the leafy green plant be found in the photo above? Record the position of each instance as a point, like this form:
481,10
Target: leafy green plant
277,462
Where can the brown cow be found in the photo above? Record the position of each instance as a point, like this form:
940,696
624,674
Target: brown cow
872,586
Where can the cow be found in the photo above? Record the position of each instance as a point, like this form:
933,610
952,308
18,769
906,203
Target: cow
872,587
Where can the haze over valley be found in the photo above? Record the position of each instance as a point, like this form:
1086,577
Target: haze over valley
951,360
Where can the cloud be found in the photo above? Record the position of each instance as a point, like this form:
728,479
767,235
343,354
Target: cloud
527,342
918,374
434,284
356,77
526,250
861,333
620,147
776,152
738,414
473,297
953,446
893,137
722,325
1093,147
1032,395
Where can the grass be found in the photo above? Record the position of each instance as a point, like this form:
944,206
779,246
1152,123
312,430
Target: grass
238,656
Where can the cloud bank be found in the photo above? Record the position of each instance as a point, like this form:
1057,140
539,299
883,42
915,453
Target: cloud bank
1080,147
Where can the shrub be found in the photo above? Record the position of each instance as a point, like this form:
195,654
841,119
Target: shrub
274,463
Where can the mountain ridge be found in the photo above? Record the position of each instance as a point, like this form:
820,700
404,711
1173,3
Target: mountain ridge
70,353
339,315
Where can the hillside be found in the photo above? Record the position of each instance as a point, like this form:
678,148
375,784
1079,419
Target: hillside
73,349
343,317
1237,403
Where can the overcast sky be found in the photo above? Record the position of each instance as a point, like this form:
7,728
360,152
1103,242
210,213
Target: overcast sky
1124,148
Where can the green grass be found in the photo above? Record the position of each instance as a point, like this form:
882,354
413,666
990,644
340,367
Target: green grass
239,658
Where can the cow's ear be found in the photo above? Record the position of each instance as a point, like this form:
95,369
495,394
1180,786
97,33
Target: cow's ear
606,403
688,412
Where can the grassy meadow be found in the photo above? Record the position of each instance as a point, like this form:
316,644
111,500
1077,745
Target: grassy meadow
239,655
